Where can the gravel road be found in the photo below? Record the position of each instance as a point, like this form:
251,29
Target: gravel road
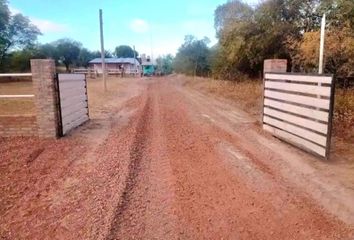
161,161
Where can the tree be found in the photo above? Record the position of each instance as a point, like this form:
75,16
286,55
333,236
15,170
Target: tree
85,57
125,51
68,51
164,64
4,15
192,57
16,32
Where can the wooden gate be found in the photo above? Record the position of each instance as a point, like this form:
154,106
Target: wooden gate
299,109
73,101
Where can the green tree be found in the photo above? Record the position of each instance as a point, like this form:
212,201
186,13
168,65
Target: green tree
125,51
164,64
192,57
16,32
85,57
68,51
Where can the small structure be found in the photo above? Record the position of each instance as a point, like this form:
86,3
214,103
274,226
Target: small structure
116,65
148,67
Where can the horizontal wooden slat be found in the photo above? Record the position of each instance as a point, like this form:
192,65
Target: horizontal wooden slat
306,134
15,74
72,92
64,77
75,124
309,101
315,126
73,101
71,85
303,111
302,88
67,110
295,140
17,96
299,78
73,116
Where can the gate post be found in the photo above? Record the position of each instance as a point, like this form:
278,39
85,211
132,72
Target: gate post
46,100
275,65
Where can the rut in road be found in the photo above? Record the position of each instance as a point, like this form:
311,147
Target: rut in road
148,189
191,179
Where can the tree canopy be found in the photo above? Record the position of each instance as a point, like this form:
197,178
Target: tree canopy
125,51
16,32
192,57
282,29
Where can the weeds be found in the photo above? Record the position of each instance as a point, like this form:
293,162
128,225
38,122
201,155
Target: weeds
248,94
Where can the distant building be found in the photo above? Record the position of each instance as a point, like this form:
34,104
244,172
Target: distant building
130,65
148,67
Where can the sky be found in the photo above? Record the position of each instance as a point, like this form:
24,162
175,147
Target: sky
154,27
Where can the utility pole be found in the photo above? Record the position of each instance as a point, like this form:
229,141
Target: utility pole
103,53
323,26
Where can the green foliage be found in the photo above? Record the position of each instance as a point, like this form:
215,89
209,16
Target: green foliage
125,51
16,32
164,64
192,57
67,51
281,29
4,15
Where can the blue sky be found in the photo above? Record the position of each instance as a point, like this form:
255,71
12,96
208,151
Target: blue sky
157,25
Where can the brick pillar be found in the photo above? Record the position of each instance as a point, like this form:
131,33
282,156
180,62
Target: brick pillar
43,74
275,65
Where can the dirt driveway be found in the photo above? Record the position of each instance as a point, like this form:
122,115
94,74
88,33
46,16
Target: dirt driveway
161,161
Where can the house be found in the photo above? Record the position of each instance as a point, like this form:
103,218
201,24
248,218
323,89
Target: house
148,67
115,65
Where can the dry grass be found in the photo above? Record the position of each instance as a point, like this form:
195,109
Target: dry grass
344,114
14,106
248,94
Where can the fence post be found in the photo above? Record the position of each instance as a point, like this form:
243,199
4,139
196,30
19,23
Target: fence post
46,101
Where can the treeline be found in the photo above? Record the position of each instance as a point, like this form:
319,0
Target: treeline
287,29
18,44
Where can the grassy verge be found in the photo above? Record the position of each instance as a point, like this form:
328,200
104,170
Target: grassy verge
12,106
248,95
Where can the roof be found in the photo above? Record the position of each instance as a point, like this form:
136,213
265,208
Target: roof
116,60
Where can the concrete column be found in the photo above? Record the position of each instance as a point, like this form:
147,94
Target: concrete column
43,77
275,65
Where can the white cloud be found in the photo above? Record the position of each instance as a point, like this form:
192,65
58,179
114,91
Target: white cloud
47,26
139,26
44,25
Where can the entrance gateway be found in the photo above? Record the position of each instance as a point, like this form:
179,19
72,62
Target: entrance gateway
298,108
72,101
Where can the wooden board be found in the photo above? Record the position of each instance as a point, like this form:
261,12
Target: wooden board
73,101
303,122
299,78
309,101
298,109
295,140
300,88
306,134
73,108
71,85
67,77
303,111
74,124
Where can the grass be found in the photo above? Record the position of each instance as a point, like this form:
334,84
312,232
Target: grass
22,106
248,95
12,106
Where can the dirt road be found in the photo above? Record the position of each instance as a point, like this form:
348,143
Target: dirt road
160,161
